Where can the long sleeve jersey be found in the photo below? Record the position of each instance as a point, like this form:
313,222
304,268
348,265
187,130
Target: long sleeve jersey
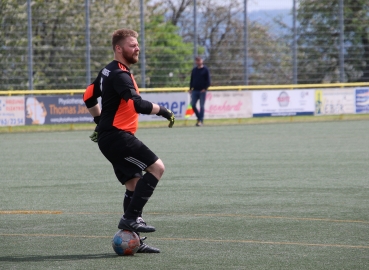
120,98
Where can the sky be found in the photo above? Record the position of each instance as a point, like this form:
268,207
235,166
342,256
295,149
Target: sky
255,5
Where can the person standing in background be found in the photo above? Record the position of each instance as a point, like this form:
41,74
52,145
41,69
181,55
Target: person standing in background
199,84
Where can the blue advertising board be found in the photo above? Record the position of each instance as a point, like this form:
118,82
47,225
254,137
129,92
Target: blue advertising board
41,110
176,102
362,100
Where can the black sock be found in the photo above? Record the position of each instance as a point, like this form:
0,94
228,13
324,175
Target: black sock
143,191
127,199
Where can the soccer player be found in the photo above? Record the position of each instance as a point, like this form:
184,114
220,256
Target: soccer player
117,123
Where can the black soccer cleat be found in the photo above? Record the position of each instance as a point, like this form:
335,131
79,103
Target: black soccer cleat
146,248
135,225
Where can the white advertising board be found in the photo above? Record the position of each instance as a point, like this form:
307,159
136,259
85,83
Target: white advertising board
176,102
334,101
12,111
228,104
283,102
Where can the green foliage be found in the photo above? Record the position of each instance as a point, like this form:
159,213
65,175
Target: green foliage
270,57
220,31
319,40
105,17
59,58
169,59
13,45
57,39
58,42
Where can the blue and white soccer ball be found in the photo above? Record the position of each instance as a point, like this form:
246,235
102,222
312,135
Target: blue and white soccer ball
125,242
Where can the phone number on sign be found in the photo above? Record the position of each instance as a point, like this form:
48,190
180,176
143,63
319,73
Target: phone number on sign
11,121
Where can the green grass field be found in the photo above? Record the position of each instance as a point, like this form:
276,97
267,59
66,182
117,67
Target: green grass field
262,196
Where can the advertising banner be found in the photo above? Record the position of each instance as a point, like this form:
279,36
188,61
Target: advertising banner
56,110
12,111
176,102
227,104
334,101
362,100
283,102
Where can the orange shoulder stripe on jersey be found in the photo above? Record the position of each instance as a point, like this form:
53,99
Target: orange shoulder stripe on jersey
122,67
89,92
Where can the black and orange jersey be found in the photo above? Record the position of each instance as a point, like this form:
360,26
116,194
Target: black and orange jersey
120,98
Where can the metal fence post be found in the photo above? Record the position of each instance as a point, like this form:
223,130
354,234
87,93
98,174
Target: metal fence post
194,29
88,49
142,49
294,44
30,50
342,49
245,44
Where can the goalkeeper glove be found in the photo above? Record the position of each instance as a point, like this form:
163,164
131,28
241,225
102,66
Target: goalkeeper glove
168,114
94,134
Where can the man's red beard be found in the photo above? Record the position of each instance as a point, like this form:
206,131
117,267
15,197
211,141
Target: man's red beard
131,58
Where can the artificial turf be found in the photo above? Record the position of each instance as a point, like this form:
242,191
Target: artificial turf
263,196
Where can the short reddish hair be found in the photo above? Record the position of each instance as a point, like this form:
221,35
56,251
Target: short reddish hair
121,34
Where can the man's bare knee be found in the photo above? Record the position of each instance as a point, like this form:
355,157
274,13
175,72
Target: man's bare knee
131,184
156,169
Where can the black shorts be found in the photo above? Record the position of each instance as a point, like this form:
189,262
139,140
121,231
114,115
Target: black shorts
128,155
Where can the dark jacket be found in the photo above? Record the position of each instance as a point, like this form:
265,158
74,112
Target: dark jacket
200,78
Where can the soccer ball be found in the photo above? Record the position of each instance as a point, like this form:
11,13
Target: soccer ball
125,243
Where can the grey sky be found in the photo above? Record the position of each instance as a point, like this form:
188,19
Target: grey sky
254,5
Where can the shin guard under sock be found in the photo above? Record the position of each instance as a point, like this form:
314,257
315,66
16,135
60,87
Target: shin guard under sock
127,199
143,191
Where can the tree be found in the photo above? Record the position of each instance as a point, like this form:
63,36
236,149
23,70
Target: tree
169,59
13,45
59,59
58,37
59,42
318,41
105,17
177,8
220,33
270,56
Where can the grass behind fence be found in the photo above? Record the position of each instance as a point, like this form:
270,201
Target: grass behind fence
276,196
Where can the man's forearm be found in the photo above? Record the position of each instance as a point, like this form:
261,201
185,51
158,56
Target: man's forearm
95,110
155,108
